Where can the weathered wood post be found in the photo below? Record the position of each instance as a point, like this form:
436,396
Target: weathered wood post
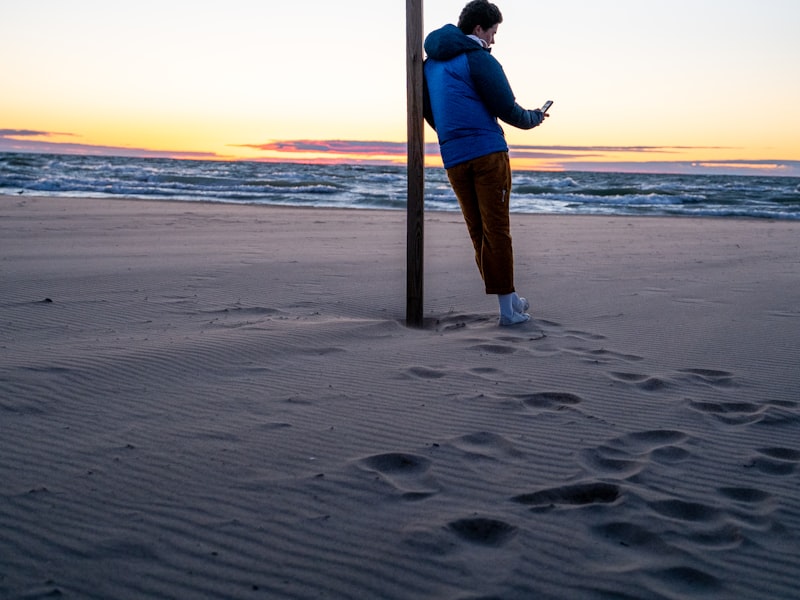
416,165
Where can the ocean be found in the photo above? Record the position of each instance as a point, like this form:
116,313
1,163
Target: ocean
384,187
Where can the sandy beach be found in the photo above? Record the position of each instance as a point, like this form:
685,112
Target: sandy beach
216,401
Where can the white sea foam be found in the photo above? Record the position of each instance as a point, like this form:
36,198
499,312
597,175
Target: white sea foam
359,186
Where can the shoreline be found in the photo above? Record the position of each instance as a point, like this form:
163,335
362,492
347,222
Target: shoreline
456,210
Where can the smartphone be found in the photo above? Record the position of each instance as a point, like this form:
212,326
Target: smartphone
547,106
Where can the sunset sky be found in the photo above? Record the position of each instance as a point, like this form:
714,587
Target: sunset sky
638,85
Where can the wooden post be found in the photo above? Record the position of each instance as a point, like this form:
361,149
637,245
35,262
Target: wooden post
416,165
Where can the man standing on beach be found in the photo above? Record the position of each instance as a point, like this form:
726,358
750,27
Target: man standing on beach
466,92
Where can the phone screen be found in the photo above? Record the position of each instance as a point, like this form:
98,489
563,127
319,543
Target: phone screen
547,106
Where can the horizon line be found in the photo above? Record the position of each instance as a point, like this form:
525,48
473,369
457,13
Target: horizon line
557,158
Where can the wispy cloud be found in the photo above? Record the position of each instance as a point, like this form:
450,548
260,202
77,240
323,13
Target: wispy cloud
343,147
579,151
610,158
644,149
28,133
16,140
335,146
575,158
785,168
399,148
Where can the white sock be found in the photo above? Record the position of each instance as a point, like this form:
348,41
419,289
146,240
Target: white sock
506,304
520,305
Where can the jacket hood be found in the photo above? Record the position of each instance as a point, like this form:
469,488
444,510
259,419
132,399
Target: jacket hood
448,42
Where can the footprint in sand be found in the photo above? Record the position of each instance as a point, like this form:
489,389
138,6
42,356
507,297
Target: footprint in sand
730,413
748,507
549,400
584,335
629,454
632,535
711,377
456,322
487,445
493,349
485,371
603,356
722,525
422,373
507,344
478,548
406,473
776,461
646,383
781,412
777,412
684,582
682,510
570,496
744,495
483,531
656,383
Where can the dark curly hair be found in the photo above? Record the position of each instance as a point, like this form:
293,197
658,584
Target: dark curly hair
479,12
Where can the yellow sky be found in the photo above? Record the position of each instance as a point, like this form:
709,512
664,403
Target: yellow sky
633,81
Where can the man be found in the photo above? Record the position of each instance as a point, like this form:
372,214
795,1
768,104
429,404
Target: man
466,92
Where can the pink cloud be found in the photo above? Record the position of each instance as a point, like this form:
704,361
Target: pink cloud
334,146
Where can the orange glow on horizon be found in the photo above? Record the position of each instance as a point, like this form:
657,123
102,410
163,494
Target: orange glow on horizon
650,159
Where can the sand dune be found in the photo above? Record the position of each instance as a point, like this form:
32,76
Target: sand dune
208,401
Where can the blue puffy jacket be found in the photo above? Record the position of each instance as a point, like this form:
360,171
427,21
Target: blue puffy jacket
465,92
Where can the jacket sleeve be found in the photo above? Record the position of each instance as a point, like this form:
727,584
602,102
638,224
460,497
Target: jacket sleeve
492,85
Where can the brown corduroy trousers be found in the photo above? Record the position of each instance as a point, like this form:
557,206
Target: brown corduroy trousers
483,187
